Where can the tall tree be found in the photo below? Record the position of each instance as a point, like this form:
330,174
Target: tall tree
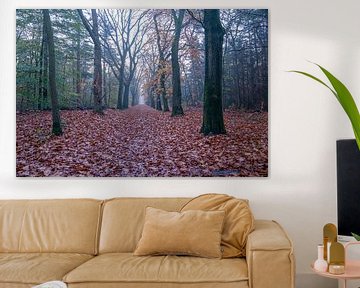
94,34
135,43
43,73
114,25
162,47
213,120
149,79
128,79
78,62
56,128
122,35
176,102
194,71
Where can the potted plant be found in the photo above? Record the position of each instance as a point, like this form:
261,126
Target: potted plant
344,97
346,100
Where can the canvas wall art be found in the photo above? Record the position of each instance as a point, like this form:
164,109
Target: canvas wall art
142,93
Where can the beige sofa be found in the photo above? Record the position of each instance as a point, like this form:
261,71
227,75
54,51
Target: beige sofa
89,243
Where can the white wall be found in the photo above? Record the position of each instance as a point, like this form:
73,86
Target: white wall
305,121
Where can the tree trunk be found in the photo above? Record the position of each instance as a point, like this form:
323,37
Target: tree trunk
97,66
119,97
45,73
213,121
152,99
78,65
35,82
41,71
94,34
121,86
134,94
126,96
56,129
104,83
161,67
109,93
176,83
158,103
163,92
62,89
127,85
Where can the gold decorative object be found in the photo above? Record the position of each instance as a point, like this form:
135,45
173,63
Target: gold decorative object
337,253
330,236
337,258
336,269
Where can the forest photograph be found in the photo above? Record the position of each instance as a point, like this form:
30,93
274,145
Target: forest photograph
141,92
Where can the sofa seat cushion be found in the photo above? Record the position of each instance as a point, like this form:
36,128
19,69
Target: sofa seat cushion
127,268
36,268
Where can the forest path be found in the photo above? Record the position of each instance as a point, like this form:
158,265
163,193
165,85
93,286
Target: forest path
140,141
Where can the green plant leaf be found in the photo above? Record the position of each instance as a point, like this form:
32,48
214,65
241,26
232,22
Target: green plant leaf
346,100
356,236
344,97
316,79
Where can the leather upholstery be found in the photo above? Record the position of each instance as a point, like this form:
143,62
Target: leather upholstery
36,268
193,233
242,284
269,256
125,268
64,226
35,227
239,220
15,285
123,218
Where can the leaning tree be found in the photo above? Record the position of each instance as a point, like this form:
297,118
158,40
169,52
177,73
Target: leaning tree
94,34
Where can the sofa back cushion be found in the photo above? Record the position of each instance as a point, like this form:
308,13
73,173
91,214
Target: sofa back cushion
238,224
123,220
66,226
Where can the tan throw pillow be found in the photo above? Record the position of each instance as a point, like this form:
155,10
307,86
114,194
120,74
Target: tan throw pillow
239,220
196,233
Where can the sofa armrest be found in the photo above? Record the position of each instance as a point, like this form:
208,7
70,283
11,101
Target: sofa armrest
269,256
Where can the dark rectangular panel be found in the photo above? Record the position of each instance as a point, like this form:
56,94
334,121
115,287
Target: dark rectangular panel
348,187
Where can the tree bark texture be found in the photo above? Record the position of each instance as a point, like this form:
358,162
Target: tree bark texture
176,82
126,96
97,65
56,128
213,120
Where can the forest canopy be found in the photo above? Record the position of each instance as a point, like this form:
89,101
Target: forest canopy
136,58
